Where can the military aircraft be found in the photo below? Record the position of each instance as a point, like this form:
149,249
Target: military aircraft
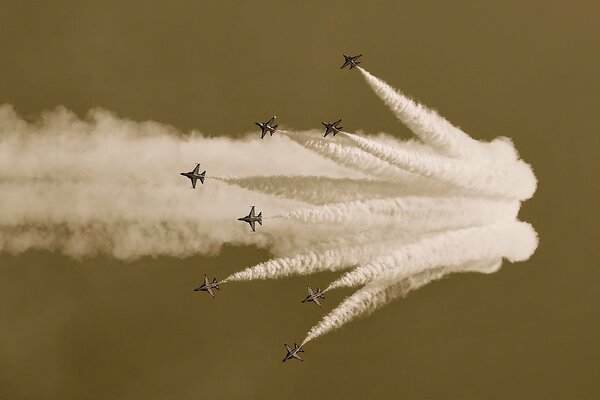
252,219
352,61
293,353
208,286
332,127
314,296
194,175
266,127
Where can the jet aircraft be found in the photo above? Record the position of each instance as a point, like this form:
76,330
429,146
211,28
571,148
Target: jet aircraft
208,286
352,61
293,353
252,218
266,127
194,175
332,127
314,296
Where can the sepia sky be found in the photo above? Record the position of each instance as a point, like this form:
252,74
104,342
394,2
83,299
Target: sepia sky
101,328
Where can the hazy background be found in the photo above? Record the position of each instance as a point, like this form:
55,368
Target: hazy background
103,329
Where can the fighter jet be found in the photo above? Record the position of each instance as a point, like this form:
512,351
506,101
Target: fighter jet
332,127
266,127
314,296
194,175
293,353
208,286
352,61
252,219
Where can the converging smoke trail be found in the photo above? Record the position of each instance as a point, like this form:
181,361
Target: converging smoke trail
332,259
515,241
377,294
401,213
428,125
353,157
410,212
514,180
323,190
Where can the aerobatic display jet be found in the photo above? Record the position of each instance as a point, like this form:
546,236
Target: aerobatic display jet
352,61
332,127
314,296
266,127
194,175
252,219
208,286
293,353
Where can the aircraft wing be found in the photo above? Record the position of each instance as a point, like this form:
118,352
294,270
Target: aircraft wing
316,300
310,292
253,225
209,290
345,64
196,169
251,215
205,280
194,182
337,122
271,120
296,356
287,348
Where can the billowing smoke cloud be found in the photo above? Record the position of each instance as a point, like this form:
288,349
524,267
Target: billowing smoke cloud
513,240
107,185
396,214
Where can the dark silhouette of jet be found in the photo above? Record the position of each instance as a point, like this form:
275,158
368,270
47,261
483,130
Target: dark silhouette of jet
293,353
194,175
352,61
252,219
314,297
266,127
332,127
208,286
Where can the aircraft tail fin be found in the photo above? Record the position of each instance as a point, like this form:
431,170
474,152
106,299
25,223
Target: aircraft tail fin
259,216
202,177
274,128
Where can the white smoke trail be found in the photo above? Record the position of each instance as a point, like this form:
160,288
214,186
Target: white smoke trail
324,190
377,294
107,185
334,258
514,240
349,155
515,180
410,212
434,129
